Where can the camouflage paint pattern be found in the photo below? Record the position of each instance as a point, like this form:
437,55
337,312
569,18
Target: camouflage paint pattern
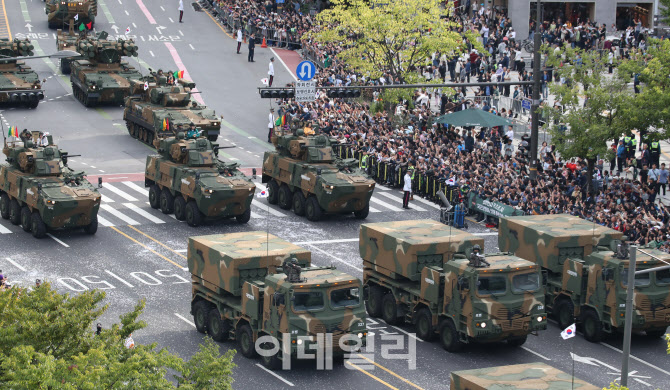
221,190
147,109
241,275
19,84
341,187
59,12
66,41
404,248
529,376
66,198
100,76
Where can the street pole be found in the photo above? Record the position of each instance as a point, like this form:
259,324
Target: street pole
629,316
535,115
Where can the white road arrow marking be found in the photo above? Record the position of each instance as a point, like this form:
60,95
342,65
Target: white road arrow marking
592,361
308,72
116,29
29,27
159,28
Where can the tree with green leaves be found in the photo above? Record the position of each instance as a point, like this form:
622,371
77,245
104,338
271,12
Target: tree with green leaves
591,108
665,10
48,343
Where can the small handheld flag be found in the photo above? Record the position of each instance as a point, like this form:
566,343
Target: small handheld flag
76,17
263,194
89,25
146,85
178,74
569,332
128,30
82,27
264,81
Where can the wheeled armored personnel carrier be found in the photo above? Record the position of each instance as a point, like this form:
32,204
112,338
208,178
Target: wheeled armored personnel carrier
101,77
187,178
59,12
19,84
304,173
40,192
156,109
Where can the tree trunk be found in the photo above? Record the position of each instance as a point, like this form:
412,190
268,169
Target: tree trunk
590,188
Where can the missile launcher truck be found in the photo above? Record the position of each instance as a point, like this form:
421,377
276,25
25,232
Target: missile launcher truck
586,267
435,277
19,84
253,284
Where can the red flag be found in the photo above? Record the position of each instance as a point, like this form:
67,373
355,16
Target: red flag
89,25
167,124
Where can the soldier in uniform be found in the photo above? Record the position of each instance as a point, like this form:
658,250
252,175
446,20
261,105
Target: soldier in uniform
25,135
476,258
192,132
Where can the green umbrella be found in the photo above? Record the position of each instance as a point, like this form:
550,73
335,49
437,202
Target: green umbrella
473,117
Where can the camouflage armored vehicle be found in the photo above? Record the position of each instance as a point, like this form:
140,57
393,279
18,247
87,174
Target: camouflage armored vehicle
433,276
586,267
187,178
59,12
101,77
66,41
40,192
529,376
249,285
303,173
156,109
19,84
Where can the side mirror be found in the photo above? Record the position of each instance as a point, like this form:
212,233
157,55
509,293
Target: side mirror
608,274
39,187
99,182
318,171
197,176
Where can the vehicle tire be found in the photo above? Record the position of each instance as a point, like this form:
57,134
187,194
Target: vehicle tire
26,216
154,196
33,104
299,203
285,197
374,302
656,333
201,316
390,309
271,362
244,217
363,213
193,215
245,340
424,324
593,328
273,189
167,201
449,336
14,212
565,313
38,227
517,341
312,209
180,208
92,227
150,139
218,328
4,206
88,102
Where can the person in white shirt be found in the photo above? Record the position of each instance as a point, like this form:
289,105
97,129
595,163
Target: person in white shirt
239,39
181,10
271,71
271,123
407,188
43,140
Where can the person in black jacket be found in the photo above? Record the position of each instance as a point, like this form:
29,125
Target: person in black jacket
252,46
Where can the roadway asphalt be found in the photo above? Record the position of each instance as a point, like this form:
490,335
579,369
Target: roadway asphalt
139,253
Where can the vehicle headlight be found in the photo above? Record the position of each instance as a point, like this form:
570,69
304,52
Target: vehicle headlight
371,185
360,335
215,123
481,325
35,86
207,191
51,202
93,86
540,319
329,187
299,341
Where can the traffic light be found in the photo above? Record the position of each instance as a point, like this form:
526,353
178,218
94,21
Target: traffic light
277,93
344,93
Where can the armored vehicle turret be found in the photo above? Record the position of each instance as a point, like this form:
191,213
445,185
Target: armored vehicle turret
59,12
159,106
187,178
303,173
101,77
66,41
40,192
19,84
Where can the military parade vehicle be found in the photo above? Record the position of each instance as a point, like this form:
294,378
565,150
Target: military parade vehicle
156,109
101,77
66,41
252,284
59,12
304,173
40,192
586,266
19,84
187,178
529,376
434,276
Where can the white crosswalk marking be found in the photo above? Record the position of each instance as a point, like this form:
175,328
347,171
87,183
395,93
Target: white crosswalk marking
143,213
120,193
119,214
255,215
414,206
374,210
4,230
388,206
382,188
106,199
104,222
137,188
427,203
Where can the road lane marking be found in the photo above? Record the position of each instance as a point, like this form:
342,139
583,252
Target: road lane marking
535,353
191,46
137,188
105,10
171,21
126,11
162,8
152,53
119,214
636,358
389,371
57,240
283,63
4,230
181,33
266,209
275,375
387,205
180,65
374,210
112,274
407,333
143,213
106,199
427,203
336,258
24,11
255,215
146,12
15,264
371,376
120,193
186,320
414,206
145,247
9,30
156,241
104,222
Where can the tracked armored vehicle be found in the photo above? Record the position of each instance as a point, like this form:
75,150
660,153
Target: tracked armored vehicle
66,41
59,12
19,84
303,173
40,192
156,109
187,178
101,77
